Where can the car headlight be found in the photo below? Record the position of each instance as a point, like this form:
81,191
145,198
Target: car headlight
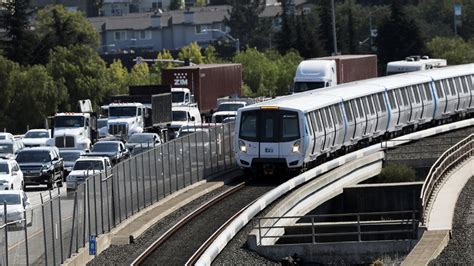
296,146
242,146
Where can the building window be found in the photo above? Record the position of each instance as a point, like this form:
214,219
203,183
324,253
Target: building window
200,28
120,36
144,35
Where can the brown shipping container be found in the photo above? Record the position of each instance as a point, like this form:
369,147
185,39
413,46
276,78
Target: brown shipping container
354,67
207,82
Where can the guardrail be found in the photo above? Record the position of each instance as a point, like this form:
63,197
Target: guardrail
351,227
445,163
62,224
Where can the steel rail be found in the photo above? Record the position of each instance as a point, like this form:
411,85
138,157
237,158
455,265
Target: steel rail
175,228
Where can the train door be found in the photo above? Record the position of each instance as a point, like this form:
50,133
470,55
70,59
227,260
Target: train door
329,129
416,105
393,110
319,133
451,98
427,103
381,111
311,133
405,108
463,92
470,85
350,129
439,99
268,134
360,120
338,126
370,115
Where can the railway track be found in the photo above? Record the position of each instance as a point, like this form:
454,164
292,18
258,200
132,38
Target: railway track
184,242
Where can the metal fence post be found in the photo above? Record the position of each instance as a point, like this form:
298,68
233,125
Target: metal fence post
118,192
358,229
313,230
101,202
197,158
44,231
74,208
149,174
86,212
163,170
224,146
190,160
216,136
210,149
143,181
156,174
95,205
182,162
26,239
125,187
176,165
60,225
131,186
136,183
52,227
259,231
169,167
6,231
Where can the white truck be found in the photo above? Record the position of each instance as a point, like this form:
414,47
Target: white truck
183,115
414,63
182,97
227,110
75,130
145,109
332,70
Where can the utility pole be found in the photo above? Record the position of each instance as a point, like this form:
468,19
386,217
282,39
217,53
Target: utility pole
334,38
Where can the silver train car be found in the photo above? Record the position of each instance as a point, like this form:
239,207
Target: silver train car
297,131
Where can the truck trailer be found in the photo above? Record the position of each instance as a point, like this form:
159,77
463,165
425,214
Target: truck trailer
329,71
206,82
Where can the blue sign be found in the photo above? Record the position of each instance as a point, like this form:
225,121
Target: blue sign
457,10
92,245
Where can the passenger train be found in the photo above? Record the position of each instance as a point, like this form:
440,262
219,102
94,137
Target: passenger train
298,131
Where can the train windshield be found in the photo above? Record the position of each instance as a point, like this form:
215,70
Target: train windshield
306,86
269,126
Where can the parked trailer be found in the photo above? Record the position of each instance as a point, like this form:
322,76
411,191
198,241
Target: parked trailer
207,82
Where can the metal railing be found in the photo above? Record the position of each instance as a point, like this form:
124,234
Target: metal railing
62,224
326,228
445,163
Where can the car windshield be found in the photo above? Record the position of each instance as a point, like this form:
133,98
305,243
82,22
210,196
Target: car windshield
88,165
177,96
33,157
70,156
306,86
69,121
123,111
6,148
10,199
101,123
4,168
229,107
180,116
105,147
36,135
140,139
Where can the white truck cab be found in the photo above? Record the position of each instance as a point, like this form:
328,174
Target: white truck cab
72,130
182,115
227,110
414,63
126,119
182,97
314,74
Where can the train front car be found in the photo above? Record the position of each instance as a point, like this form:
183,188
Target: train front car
269,139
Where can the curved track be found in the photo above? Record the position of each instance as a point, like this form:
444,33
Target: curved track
182,241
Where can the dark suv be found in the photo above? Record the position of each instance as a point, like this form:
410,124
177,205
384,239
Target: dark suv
41,166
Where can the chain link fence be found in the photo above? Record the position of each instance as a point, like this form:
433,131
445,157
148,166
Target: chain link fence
56,231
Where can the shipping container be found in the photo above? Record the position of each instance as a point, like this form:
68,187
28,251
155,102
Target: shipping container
207,82
354,67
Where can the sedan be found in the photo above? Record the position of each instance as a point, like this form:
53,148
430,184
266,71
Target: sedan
141,142
17,204
11,177
115,150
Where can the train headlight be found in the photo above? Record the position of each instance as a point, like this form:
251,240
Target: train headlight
242,146
296,146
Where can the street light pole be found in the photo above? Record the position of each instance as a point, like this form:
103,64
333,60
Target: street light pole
334,38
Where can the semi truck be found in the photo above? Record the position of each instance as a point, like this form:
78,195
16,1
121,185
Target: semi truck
414,63
145,109
74,130
203,84
329,71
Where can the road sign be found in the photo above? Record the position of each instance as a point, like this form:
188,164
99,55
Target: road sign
92,245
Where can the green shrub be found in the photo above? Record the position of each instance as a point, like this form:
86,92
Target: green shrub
395,173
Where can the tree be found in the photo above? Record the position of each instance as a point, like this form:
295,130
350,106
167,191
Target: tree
325,26
286,37
117,79
140,75
57,27
19,40
455,50
210,55
175,4
81,72
308,42
398,37
244,22
191,52
155,70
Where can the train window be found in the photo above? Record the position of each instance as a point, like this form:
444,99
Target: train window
416,93
248,126
410,94
364,104
355,112
391,99
464,85
421,90
318,121
267,126
289,126
404,96
469,82
428,91
375,102
337,111
439,89
460,87
359,107
323,118
325,112
381,102
445,87
309,125
453,88
371,104
348,111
